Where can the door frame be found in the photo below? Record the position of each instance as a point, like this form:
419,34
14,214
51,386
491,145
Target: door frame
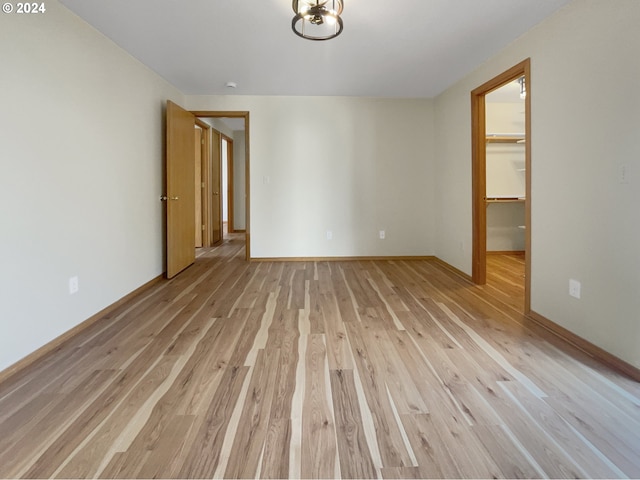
205,191
247,158
216,187
479,174
229,192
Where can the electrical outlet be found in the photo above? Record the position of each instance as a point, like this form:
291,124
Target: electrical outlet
382,234
329,235
74,285
574,288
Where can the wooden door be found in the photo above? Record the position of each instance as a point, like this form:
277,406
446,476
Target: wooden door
198,185
180,189
216,174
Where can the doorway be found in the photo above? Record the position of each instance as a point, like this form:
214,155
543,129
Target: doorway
189,196
481,197
231,149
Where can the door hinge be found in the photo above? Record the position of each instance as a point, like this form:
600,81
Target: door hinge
202,184
203,228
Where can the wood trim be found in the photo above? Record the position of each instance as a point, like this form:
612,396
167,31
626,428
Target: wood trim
505,252
339,259
57,342
221,113
230,190
247,128
206,192
586,346
478,174
527,203
202,124
217,145
453,269
247,190
479,188
206,178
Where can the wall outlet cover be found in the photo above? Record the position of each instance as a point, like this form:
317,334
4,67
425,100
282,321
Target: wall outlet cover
74,285
574,288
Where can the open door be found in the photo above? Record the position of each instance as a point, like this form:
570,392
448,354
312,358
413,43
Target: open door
216,185
180,195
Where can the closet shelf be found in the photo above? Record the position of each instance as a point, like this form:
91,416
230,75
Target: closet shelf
505,137
505,200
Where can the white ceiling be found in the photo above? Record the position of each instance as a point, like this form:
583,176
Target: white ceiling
408,48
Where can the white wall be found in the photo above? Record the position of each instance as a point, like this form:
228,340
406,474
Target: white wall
350,165
239,185
81,175
585,124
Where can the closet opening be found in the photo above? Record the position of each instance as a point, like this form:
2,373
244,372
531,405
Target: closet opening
501,184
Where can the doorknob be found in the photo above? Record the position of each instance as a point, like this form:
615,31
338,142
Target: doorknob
164,198
216,193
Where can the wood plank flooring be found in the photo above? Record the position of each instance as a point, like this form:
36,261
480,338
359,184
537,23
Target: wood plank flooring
355,369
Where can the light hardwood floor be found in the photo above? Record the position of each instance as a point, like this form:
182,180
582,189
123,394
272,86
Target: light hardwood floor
505,279
362,369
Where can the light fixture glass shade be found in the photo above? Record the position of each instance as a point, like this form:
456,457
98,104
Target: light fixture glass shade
317,19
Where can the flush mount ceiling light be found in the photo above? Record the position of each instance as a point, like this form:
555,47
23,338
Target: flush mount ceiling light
317,19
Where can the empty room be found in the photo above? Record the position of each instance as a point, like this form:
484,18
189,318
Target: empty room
320,239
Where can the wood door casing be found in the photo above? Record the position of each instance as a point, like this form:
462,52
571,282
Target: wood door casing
230,191
205,185
216,198
180,203
197,164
